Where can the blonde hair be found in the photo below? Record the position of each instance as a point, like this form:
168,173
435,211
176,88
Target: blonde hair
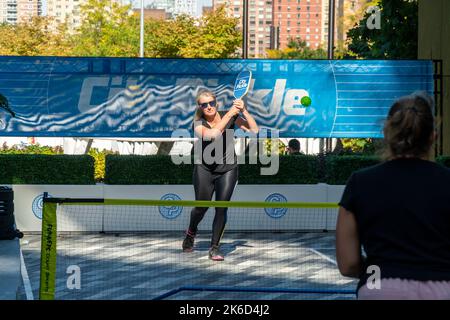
199,111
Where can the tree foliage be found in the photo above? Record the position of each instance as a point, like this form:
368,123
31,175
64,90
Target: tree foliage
107,29
168,38
36,37
397,37
110,29
216,37
297,49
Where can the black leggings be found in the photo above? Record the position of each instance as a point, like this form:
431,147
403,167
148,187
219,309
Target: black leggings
205,183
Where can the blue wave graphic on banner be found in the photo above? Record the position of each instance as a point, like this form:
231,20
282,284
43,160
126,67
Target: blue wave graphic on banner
116,97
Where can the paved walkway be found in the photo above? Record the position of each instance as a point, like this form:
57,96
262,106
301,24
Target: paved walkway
10,277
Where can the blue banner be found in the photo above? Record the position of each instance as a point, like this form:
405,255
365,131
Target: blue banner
118,97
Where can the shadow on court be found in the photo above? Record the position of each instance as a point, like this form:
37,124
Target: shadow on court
145,266
226,247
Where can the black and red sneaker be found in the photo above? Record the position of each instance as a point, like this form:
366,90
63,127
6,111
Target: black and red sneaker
215,254
188,242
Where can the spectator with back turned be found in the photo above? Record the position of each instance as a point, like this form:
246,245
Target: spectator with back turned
293,147
399,211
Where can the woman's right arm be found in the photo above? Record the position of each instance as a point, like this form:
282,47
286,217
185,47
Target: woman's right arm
210,134
348,247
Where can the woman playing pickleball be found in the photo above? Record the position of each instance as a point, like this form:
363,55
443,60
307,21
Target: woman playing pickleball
217,173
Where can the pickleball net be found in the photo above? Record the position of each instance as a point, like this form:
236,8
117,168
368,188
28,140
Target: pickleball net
131,249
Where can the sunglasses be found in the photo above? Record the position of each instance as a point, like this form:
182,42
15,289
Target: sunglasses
206,104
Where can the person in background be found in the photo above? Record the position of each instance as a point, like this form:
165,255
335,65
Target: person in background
293,147
399,211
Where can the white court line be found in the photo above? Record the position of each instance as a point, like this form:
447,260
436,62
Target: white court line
25,278
323,256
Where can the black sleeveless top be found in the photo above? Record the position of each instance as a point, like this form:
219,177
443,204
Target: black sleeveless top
402,209
217,156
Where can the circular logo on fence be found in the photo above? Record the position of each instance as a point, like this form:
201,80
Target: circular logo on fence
276,212
37,205
171,212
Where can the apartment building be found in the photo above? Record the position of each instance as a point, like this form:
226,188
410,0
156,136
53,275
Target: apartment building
301,19
15,11
260,15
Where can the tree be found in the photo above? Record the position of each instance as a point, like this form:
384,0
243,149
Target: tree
297,49
398,21
107,29
215,35
349,13
40,36
166,39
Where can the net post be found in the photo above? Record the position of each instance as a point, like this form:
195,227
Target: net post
48,250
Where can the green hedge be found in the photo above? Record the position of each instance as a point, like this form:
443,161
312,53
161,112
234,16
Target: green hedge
339,168
46,169
161,170
132,169
298,169
129,170
444,160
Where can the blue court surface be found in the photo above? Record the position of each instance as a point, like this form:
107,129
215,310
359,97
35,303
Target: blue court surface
144,266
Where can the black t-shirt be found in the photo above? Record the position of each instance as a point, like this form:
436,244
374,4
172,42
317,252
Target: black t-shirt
402,209
226,160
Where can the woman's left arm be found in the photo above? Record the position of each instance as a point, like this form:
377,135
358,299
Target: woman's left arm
247,122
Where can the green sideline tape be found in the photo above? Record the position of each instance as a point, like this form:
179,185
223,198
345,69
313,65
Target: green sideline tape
219,204
48,252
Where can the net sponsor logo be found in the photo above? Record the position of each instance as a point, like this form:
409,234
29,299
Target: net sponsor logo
276,213
171,212
242,84
296,102
37,205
